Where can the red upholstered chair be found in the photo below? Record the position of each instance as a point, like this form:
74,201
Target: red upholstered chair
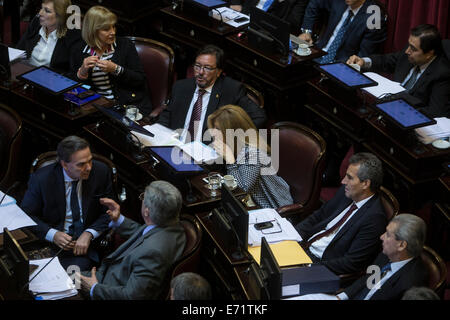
437,270
10,142
157,60
301,165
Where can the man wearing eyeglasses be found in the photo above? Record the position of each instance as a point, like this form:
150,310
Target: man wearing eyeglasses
194,99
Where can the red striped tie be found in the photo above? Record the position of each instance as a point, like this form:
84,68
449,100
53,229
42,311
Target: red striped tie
196,113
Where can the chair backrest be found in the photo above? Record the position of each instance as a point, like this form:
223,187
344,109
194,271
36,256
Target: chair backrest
158,62
47,158
301,160
436,268
10,142
389,202
446,48
254,95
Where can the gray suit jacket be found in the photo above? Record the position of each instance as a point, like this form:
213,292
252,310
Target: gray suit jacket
137,268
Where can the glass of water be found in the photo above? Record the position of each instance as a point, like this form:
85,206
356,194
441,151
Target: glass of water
214,182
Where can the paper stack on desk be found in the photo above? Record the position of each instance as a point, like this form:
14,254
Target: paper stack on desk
385,86
16,54
52,283
435,131
229,16
163,136
11,216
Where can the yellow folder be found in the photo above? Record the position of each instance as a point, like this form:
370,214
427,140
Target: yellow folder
287,253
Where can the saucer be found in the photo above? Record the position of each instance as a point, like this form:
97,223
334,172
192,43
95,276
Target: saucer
303,54
441,144
138,116
234,186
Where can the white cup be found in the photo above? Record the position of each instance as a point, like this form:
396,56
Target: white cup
229,181
131,112
303,48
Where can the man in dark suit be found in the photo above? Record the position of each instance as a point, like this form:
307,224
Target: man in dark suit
344,233
348,31
422,68
62,200
138,268
291,11
193,100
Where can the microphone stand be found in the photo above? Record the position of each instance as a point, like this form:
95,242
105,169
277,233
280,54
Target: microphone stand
221,27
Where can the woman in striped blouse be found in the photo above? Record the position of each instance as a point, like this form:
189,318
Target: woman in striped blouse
109,63
247,156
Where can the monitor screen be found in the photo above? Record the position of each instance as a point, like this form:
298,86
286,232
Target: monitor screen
271,271
237,213
346,75
49,80
268,32
404,115
177,159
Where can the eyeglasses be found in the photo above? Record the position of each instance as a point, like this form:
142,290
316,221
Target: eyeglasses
141,196
198,67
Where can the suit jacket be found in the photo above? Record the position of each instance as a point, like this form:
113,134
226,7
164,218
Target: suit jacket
60,60
130,87
358,39
357,242
433,86
224,91
45,200
414,273
137,269
291,11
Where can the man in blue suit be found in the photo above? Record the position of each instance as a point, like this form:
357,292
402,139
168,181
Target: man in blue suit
348,31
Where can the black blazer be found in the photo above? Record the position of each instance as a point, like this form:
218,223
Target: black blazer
45,200
357,242
433,86
60,60
130,87
358,39
225,91
291,11
412,274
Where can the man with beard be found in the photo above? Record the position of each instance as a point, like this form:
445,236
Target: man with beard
194,99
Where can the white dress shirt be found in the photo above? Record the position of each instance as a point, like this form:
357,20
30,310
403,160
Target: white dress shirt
318,247
205,101
43,51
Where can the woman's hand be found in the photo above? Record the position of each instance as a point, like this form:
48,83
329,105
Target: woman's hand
107,66
88,63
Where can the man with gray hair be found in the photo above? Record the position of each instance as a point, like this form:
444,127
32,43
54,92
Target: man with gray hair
62,198
189,286
137,269
344,233
400,266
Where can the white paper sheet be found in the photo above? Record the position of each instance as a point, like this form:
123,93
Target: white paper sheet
12,217
16,54
163,136
314,296
229,16
435,131
53,279
384,86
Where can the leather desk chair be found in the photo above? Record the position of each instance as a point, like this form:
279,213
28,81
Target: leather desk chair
437,270
10,142
255,95
190,258
157,60
301,165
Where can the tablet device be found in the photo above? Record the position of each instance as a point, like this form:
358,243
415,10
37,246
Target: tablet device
346,75
209,4
404,115
49,80
176,159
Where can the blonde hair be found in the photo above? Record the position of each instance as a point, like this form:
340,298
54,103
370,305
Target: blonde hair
96,18
235,118
60,7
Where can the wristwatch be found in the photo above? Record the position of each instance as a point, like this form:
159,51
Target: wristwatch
306,30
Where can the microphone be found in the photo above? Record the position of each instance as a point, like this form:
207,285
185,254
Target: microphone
221,26
14,185
59,251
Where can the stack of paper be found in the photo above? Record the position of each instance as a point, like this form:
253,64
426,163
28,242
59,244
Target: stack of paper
385,86
16,54
436,131
12,217
229,16
199,151
52,283
163,136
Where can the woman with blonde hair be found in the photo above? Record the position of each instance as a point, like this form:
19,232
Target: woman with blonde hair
47,40
108,63
247,156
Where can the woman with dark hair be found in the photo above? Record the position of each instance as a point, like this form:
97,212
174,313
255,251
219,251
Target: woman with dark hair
47,40
247,156
109,63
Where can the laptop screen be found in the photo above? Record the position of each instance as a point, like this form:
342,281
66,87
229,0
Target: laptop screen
404,114
49,80
347,75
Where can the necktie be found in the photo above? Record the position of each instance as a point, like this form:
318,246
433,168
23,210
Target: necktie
412,80
333,228
385,270
332,50
77,226
196,113
267,5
